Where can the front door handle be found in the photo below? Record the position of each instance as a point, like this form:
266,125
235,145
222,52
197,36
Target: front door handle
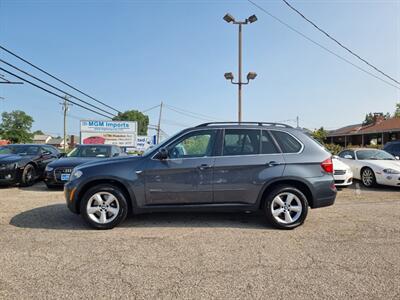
273,164
204,167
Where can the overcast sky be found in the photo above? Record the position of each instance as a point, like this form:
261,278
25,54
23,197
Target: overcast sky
134,54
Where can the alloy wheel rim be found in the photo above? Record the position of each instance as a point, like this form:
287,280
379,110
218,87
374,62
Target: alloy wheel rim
367,177
29,175
286,208
102,207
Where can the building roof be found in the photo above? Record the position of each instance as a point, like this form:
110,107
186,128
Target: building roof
41,137
55,141
380,126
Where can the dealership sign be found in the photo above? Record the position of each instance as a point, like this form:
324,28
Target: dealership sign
119,133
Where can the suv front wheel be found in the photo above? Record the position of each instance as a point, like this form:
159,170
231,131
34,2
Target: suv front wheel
286,207
104,206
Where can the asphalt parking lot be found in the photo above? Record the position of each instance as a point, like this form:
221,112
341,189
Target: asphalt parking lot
349,250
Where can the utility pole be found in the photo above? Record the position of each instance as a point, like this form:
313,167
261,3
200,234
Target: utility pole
159,124
65,107
297,121
251,75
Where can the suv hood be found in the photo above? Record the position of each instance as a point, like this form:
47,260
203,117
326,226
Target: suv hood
108,161
71,161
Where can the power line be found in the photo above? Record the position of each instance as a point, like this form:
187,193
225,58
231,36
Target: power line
339,43
190,114
56,78
52,86
158,105
52,93
320,45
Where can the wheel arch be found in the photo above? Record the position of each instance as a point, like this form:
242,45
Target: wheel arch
296,182
130,198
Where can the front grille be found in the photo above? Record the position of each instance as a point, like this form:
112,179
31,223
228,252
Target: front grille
339,172
339,181
59,171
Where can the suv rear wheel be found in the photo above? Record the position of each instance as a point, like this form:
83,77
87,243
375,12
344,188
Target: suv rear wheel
104,206
286,207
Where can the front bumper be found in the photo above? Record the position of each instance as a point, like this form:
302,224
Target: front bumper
53,178
344,180
388,179
9,176
71,195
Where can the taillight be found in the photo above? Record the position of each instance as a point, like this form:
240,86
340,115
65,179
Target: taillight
327,165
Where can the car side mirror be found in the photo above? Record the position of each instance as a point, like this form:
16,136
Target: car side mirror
348,156
62,155
46,153
116,154
162,153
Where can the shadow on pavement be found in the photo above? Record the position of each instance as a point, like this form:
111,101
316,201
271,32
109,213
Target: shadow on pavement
57,216
379,188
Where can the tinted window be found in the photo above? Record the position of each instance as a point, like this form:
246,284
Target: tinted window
50,149
287,142
24,149
241,142
267,145
194,144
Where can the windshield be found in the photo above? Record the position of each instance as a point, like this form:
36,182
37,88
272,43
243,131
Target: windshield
158,146
374,154
20,150
90,151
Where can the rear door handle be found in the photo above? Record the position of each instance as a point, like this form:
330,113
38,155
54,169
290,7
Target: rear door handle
273,164
204,167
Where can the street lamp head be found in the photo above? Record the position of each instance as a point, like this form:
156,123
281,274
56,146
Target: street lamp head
251,75
252,19
228,76
228,18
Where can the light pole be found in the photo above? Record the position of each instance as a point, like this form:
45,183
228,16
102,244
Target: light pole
251,75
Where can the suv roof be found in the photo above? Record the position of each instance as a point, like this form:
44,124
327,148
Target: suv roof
244,124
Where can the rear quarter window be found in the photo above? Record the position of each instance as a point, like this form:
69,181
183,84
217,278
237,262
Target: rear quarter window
287,142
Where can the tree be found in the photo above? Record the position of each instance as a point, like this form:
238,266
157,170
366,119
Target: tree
134,115
397,111
320,135
369,119
38,132
16,126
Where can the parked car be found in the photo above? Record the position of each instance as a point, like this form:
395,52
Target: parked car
214,166
341,173
57,173
372,166
393,148
25,163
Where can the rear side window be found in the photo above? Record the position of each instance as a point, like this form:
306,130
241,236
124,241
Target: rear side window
267,145
287,142
241,142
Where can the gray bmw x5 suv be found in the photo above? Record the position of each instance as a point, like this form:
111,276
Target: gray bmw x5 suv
215,166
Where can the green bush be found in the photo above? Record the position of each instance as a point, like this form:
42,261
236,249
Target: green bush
333,148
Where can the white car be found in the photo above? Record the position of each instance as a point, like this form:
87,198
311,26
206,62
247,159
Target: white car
372,166
341,173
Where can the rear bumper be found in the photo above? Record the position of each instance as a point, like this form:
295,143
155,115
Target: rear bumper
324,192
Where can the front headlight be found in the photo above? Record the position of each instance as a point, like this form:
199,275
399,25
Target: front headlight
49,169
391,171
75,174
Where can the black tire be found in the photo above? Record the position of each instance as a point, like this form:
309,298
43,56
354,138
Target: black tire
28,176
368,178
120,198
285,191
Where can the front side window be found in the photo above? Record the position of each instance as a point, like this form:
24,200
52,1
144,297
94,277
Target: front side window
195,144
241,142
287,142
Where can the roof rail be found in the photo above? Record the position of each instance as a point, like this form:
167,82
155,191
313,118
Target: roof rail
246,123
